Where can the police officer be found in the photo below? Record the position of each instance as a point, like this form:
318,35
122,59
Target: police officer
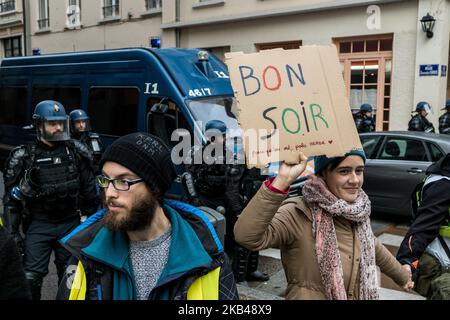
245,262
217,182
426,246
49,183
419,122
364,120
80,129
444,120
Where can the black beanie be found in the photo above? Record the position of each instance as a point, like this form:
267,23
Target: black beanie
147,156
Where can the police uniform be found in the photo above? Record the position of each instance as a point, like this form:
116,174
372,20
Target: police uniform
364,123
444,123
444,120
230,186
426,245
217,182
45,189
90,139
419,123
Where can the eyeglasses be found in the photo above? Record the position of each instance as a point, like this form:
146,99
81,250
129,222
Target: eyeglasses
119,184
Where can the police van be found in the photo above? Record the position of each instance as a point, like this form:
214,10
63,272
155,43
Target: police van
122,91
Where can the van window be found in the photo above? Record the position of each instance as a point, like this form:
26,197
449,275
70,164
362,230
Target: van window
163,125
13,106
70,97
113,111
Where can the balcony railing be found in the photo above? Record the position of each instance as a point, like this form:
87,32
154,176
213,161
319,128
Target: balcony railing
43,23
111,11
7,6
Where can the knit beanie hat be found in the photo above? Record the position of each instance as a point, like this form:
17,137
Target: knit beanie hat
147,156
321,162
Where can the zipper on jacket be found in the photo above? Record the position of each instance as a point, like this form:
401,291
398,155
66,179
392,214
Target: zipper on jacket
98,286
96,290
98,279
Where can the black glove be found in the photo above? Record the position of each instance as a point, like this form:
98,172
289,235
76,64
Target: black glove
17,237
15,219
29,184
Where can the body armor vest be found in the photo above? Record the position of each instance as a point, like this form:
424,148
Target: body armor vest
59,182
211,179
57,173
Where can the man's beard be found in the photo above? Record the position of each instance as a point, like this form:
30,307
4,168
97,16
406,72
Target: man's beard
54,137
138,218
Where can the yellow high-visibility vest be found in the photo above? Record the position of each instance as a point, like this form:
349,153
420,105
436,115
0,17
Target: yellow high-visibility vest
78,288
204,288
444,231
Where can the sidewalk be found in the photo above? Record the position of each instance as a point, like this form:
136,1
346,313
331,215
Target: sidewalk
273,289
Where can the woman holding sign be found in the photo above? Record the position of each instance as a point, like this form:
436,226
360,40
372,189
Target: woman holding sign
327,245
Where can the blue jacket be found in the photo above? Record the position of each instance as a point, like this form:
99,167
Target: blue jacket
101,259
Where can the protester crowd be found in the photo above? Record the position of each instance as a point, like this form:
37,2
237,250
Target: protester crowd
105,216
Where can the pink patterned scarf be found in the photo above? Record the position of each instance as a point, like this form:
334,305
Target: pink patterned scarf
325,206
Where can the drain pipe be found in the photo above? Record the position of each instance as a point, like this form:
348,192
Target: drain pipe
177,19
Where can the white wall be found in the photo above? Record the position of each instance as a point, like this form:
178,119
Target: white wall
320,28
435,50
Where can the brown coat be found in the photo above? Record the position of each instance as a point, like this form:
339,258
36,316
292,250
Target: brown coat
268,222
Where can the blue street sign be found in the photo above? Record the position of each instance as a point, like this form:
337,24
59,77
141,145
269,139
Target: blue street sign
429,70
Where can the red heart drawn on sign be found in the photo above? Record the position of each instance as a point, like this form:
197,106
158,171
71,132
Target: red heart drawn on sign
330,141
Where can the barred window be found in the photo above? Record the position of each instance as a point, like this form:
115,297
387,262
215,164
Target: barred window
153,4
111,8
44,20
7,5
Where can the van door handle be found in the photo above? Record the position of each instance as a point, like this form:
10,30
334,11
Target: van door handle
415,170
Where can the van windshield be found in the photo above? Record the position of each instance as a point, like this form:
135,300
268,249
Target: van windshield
217,108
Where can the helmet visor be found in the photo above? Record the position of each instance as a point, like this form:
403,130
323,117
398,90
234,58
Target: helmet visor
427,108
80,125
54,129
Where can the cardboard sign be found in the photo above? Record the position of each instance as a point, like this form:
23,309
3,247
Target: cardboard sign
295,101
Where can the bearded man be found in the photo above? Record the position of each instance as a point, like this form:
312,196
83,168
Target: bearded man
140,247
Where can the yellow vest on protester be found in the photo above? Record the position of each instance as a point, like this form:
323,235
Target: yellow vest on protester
204,288
444,231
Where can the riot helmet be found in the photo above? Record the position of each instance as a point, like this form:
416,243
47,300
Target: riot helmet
423,106
216,125
51,121
365,107
215,131
79,122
